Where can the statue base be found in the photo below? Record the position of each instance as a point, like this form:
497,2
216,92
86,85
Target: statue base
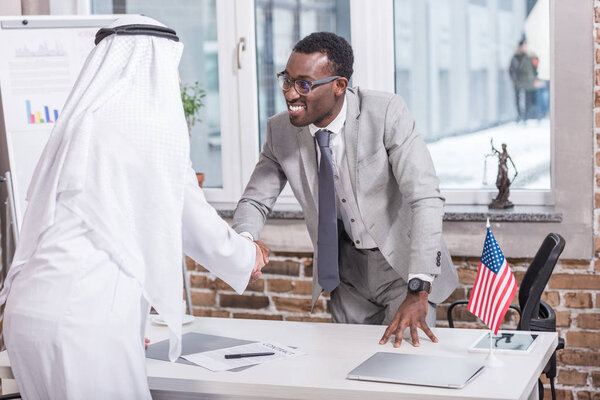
501,205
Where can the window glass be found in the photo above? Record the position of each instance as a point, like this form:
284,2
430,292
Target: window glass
196,25
473,71
280,24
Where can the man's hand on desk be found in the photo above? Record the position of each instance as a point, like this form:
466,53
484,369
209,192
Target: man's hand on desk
262,259
411,314
146,341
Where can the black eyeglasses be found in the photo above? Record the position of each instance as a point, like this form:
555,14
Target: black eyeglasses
302,87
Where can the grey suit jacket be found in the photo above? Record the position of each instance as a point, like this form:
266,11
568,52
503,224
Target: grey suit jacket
392,176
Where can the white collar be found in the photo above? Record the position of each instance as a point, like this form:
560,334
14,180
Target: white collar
334,126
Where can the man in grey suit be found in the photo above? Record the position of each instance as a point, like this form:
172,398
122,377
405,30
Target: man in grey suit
368,189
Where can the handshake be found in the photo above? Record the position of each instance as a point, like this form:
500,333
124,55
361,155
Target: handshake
262,259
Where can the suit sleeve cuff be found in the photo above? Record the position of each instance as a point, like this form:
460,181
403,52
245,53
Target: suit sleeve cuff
248,235
423,277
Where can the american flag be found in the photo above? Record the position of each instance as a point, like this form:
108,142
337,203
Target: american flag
494,287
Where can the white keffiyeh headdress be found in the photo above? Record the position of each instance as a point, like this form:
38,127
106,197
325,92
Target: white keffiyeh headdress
118,157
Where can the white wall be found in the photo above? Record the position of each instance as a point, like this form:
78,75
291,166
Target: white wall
69,7
10,7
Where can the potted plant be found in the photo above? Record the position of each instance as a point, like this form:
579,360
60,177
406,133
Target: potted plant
191,97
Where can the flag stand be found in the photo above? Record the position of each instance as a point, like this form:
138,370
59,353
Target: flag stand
493,290
491,359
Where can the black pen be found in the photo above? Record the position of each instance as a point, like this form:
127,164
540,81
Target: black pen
228,356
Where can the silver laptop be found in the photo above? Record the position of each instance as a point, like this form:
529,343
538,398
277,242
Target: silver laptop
417,369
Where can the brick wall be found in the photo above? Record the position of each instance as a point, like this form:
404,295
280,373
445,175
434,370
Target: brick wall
574,293
284,292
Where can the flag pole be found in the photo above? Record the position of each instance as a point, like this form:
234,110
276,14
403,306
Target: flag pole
491,359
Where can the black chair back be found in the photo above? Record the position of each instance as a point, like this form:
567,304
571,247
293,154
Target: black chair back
535,280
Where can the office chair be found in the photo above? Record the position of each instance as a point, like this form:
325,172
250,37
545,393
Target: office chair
535,314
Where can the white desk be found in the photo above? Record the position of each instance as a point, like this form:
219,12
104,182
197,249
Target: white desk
333,350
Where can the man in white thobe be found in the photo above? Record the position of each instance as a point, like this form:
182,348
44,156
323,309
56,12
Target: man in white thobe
111,205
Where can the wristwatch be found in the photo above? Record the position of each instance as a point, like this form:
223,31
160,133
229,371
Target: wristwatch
415,285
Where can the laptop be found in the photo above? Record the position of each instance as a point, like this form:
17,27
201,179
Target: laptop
419,369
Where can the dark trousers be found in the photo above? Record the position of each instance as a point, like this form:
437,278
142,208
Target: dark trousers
526,104
370,290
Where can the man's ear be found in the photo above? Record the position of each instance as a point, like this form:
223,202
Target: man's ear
340,86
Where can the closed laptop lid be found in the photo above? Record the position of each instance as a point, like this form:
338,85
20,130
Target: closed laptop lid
419,369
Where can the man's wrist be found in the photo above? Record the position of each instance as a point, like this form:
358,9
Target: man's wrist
417,285
421,295
247,235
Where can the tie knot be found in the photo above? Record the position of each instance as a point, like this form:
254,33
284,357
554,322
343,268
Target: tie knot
322,136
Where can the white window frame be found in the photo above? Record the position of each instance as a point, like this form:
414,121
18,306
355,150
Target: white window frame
229,99
232,82
374,65
571,127
372,32
572,139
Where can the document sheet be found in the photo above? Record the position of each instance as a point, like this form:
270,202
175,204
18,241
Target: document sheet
193,342
215,360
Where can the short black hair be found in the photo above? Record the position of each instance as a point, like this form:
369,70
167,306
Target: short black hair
338,51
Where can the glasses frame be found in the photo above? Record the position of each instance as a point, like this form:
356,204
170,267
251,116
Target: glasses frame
311,84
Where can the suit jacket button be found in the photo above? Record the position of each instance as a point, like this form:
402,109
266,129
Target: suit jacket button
439,253
437,263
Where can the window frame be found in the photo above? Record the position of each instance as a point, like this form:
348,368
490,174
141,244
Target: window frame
571,128
572,156
457,196
572,150
374,69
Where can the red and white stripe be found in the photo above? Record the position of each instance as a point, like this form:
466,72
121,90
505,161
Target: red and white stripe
492,294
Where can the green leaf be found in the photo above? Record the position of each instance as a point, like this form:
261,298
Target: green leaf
191,97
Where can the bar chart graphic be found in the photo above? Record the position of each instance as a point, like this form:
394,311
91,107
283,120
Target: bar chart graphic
42,50
45,116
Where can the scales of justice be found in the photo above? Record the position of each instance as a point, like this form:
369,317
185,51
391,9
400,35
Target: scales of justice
503,181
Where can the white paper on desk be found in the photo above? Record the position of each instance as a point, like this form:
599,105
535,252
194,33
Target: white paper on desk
215,360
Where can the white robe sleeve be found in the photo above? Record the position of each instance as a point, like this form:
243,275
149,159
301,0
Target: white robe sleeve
209,240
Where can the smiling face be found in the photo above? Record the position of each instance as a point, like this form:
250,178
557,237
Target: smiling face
324,102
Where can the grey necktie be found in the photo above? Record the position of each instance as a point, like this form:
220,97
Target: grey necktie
327,243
